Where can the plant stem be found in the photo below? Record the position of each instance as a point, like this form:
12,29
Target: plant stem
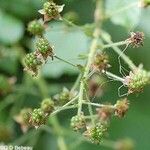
126,59
98,105
115,44
64,106
115,77
93,48
65,61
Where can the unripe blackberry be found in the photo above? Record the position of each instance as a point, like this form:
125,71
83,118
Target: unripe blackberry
78,122
38,117
32,63
35,27
96,133
51,9
100,62
121,107
47,106
64,96
137,80
44,47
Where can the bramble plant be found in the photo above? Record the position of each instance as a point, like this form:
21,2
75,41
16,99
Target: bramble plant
91,119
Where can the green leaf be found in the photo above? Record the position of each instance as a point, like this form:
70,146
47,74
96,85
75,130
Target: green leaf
11,29
68,44
124,12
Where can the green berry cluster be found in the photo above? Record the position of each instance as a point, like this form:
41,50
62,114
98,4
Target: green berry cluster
44,47
32,63
96,133
47,105
100,62
63,97
51,9
78,122
35,27
137,80
38,117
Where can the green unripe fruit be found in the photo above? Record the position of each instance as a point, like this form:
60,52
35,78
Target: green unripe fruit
35,27
51,9
43,46
37,117
78,122
137,80
32,63
97,132
47,106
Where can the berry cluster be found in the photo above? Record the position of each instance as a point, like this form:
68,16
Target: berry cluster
36,27
78,122
137,80
51,11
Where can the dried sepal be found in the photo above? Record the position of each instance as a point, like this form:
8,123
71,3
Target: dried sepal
51,11
23,118
136,39
121,107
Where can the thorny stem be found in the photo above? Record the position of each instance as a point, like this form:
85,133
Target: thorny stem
93,49
126,59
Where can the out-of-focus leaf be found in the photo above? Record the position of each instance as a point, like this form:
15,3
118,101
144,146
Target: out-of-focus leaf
11,29
9,59
123,12
68,44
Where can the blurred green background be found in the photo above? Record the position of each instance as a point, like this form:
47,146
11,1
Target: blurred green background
24,91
